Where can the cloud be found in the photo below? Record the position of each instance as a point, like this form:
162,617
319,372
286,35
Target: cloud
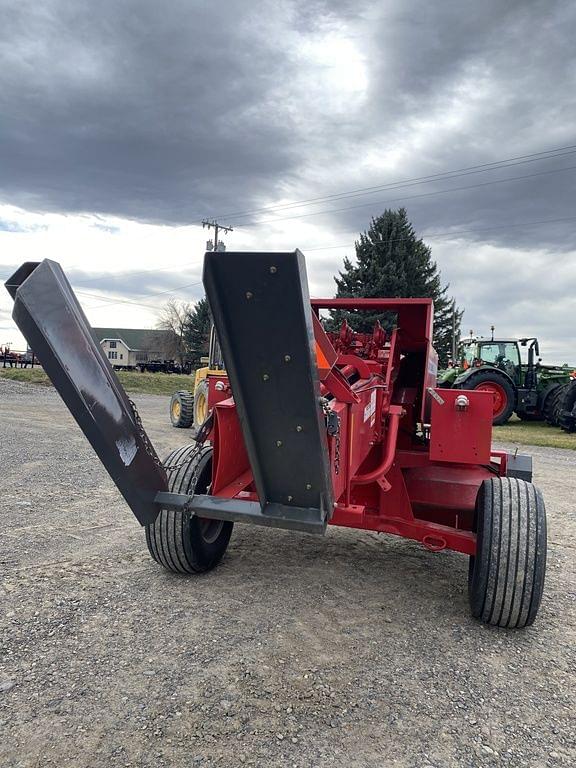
165,115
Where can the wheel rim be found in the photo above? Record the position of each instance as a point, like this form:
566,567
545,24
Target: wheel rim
499,399
210,529
176,410
201,408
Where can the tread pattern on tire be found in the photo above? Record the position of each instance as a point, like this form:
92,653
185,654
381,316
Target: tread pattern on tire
556,399
548,409
566,421
174,540
507,574
186,418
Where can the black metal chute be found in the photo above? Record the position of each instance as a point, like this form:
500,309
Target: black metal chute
261,311
49,316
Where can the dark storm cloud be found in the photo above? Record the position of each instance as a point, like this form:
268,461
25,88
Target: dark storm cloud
142,110
486,81
170,112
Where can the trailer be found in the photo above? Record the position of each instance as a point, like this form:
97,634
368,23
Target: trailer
305,430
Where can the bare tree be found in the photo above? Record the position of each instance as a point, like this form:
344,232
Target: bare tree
174,317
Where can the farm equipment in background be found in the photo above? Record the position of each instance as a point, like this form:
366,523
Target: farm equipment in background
190,409
531,390
11,358
305,430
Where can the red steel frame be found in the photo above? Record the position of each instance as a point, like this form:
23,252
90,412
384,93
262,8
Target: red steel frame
386,476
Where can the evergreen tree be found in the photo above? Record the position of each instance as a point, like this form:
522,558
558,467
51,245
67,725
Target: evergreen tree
391,261
197,330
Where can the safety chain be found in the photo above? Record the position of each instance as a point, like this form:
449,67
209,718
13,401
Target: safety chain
149,448
337,454
333,429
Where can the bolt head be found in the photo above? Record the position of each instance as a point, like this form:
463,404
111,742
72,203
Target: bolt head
287,358
273,270
265,377
289,498
299,428
308,487
278,443
249,294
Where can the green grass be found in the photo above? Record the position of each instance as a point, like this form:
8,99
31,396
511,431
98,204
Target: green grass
533,433
132,381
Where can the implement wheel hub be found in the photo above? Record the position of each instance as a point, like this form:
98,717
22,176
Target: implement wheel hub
499,398
176,410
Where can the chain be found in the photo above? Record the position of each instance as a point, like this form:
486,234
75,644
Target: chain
337,454
150,449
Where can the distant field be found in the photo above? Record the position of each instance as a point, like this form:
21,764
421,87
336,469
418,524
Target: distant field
516,431
132,381
534,433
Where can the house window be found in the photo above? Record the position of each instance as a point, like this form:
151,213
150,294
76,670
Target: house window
121,356
112,355
112,345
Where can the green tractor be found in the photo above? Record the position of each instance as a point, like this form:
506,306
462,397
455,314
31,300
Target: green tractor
532,390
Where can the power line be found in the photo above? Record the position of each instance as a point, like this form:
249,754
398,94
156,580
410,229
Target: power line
412,197
170,291
452,233
455,173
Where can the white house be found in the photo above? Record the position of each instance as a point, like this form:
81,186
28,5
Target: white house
128,347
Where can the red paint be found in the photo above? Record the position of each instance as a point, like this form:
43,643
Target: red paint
499,399
385,476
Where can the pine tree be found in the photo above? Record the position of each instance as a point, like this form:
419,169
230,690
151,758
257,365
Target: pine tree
197,331
391,261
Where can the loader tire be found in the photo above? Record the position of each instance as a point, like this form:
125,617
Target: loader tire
567,408
502,391
506,577
181,541
201,403
182,410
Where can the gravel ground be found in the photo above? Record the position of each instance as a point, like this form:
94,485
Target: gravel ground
348,650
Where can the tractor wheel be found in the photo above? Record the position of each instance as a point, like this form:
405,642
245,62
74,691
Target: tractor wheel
506,577
201,403
567,408
502,392
549,404
557,398
182,410
181,541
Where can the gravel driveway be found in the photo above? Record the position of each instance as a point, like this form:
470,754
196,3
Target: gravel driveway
349,650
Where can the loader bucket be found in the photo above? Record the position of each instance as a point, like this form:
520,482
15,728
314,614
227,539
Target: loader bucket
49,316
262,314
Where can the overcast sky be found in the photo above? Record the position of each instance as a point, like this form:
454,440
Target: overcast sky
121,129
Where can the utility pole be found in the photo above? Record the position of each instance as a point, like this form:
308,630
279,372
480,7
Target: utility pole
217,227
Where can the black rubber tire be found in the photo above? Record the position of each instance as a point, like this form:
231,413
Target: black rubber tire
185,417
180,541
549,404
483,377
556,405
506,577
566,420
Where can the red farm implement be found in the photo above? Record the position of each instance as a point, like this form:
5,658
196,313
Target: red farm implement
306,429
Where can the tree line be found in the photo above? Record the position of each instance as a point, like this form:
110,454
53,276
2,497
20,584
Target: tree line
391,261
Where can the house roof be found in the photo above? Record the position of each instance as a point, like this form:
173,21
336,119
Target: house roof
134,338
